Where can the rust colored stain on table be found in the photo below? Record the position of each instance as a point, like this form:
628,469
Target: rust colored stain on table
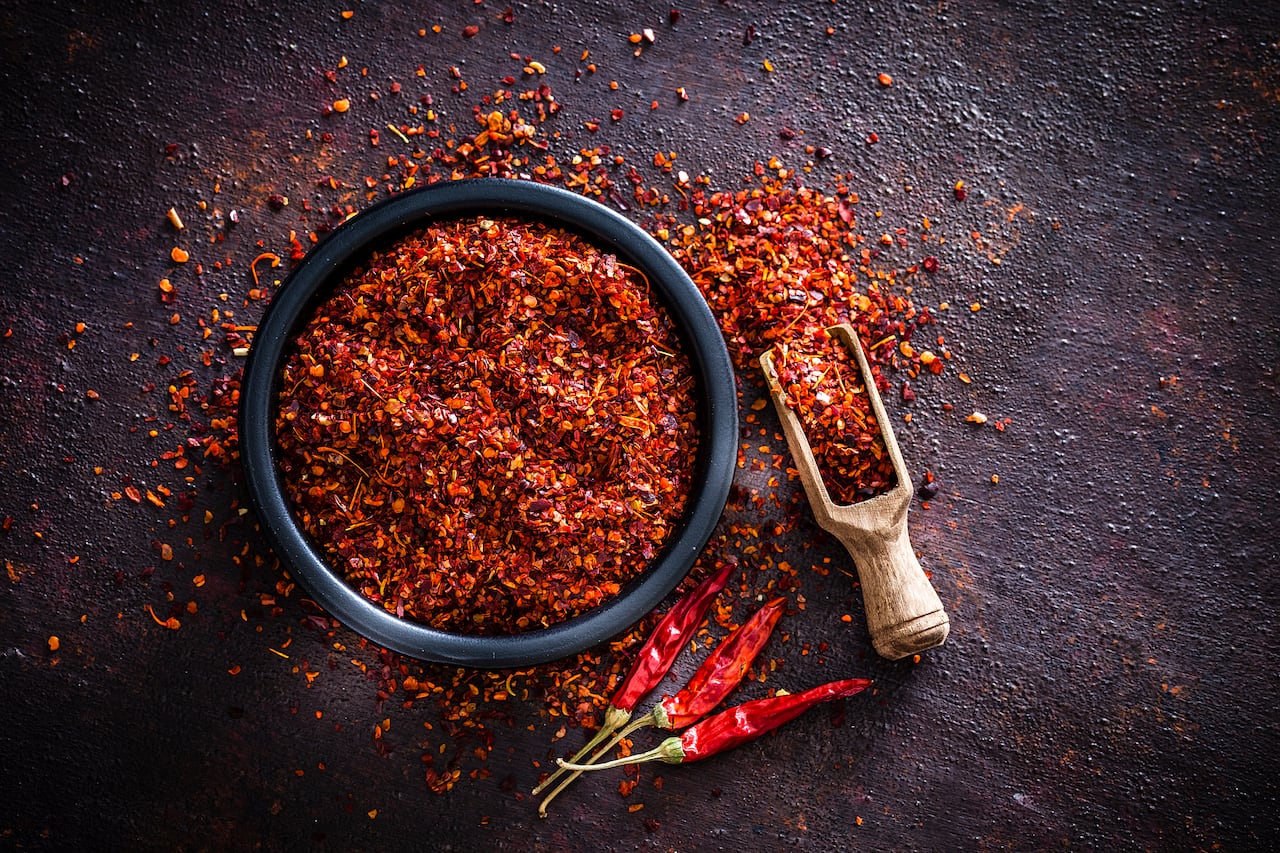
1108,559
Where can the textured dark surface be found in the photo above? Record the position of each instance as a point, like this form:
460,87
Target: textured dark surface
1109,682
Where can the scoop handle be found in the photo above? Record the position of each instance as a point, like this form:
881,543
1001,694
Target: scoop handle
904,614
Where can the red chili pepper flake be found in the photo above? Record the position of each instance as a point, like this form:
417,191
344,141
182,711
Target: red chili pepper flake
927,489
617,115
960,191
470,31
930,264
489,427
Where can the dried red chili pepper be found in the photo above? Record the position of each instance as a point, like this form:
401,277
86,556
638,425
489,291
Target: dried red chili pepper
654,660
735,726
717,677
666,641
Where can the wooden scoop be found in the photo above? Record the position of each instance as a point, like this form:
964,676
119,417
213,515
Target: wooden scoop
904,613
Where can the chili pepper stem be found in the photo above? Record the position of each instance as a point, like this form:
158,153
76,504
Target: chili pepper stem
653,718
669,751
650,719
614,718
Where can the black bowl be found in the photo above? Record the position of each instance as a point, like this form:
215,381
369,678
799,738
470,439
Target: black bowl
327,264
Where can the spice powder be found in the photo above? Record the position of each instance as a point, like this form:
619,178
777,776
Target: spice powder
489,427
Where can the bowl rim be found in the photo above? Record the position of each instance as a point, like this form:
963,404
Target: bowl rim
351,242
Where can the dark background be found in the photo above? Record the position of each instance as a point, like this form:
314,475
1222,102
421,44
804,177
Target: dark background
1109,682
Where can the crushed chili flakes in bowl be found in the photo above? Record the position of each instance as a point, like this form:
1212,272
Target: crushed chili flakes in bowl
824,387
488,427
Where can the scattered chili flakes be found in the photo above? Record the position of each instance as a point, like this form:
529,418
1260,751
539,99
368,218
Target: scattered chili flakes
179,255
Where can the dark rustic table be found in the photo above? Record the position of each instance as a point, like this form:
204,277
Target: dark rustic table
1108,559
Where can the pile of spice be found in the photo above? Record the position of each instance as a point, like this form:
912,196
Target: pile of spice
782,261
489,427
822,384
